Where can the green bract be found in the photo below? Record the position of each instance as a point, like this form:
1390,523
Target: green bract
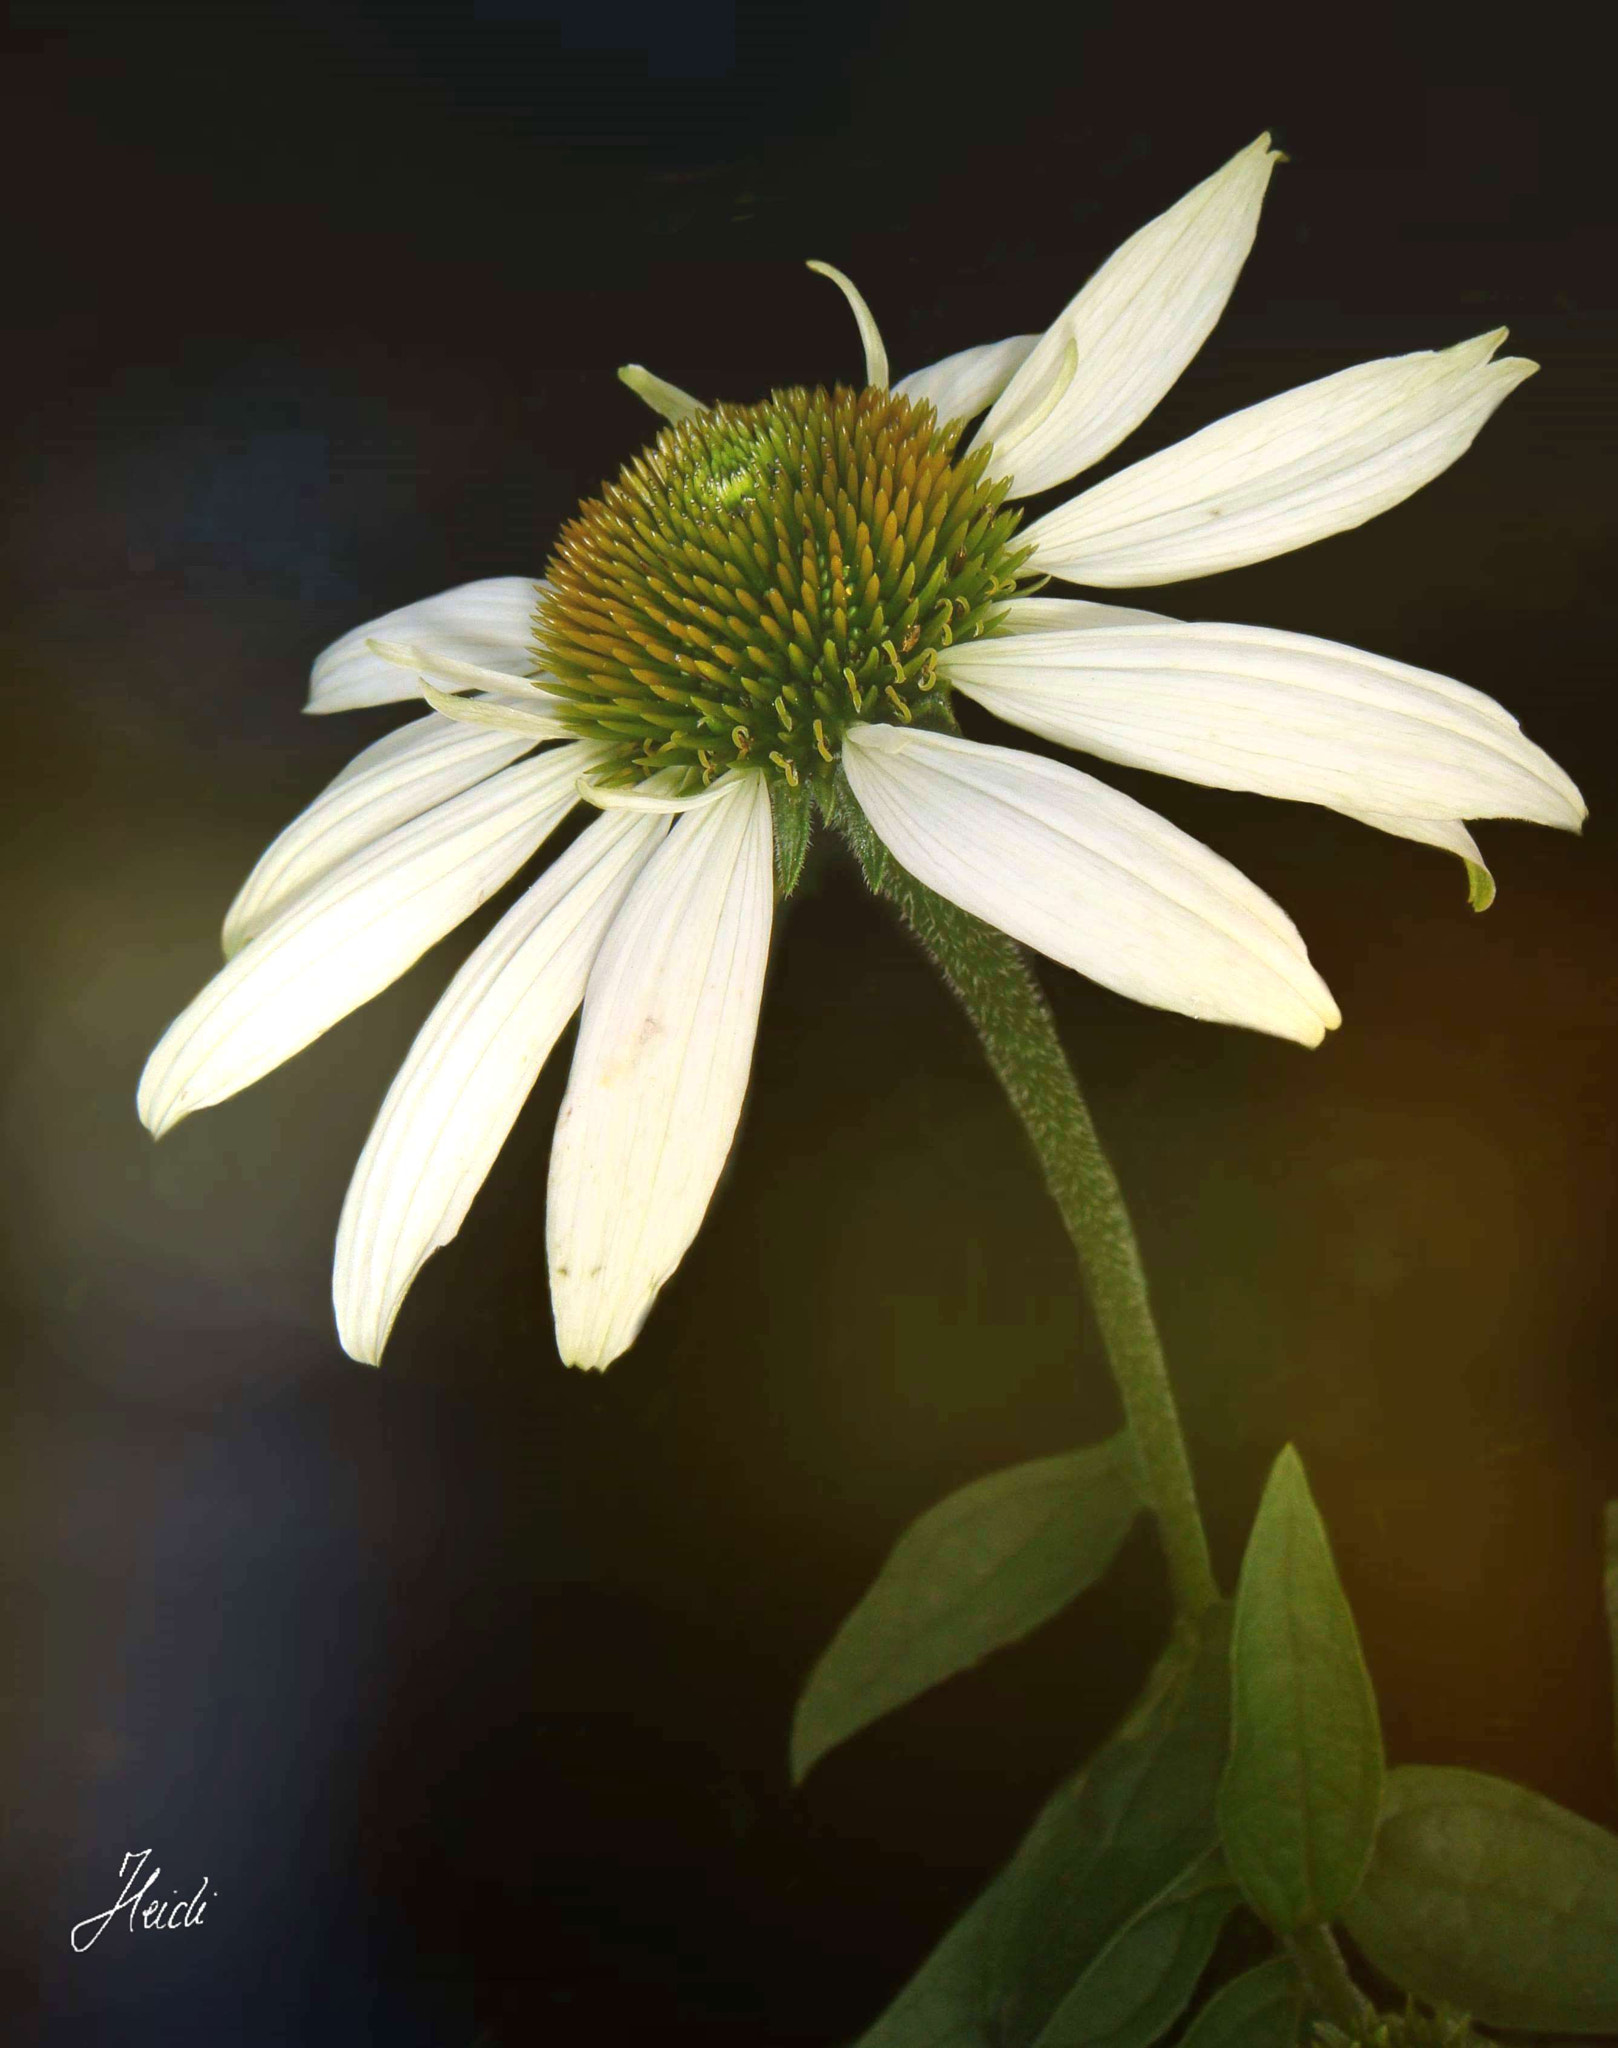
1412,2028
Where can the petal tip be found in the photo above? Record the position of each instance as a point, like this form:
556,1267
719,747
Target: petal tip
1481,347
876,355
657,392
586,1364
362,1330
158,1117
1480,891
1327,1017
392,651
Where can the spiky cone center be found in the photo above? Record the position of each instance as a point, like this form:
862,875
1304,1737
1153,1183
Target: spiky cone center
763,576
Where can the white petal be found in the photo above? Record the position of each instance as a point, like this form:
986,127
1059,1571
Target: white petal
1088,876
1247,707
463,676
501,711
658,803
961,385
1067,614
1448,833
400,776
353,932
876,354
457,1095
663,397
489,622
664,1049
1102,366
1313,461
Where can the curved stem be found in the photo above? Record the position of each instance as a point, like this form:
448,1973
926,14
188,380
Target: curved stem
1319,1964
1013,1021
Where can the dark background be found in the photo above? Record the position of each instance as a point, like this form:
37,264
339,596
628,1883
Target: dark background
466,1683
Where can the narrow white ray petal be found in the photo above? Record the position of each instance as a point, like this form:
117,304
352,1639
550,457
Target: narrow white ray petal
876,355
665,1045
1104,363
960,386
398,778
1313,461
663,397
1069,614
1449,834
501,712
453,1103
1088,876
1249,707
353,932
606,798
466,675
488,622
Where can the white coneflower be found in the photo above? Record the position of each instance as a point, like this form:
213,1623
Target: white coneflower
775,597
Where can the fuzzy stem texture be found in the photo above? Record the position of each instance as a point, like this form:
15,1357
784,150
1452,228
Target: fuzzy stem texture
1331,1990
991,978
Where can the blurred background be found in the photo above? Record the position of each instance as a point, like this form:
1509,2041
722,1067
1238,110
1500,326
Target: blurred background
466,1683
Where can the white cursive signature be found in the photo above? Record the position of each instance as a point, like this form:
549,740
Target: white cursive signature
154,1913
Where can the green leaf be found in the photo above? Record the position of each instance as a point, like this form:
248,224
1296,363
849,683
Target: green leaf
1111,1843
1610,1587
1485,1896
1300,1797
791,816
975,1572
1260,2009
1143,1979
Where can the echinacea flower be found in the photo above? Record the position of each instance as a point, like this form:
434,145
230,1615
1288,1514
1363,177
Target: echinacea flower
776,604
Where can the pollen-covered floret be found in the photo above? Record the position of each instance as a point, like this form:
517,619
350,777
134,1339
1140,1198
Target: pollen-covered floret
764,575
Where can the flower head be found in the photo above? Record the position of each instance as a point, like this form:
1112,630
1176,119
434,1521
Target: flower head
765,577
781,602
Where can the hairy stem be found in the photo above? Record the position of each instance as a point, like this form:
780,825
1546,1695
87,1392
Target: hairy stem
1013,1021
1332,1991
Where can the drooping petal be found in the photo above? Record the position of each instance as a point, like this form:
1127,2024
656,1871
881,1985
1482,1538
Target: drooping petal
876,354
1287,715
463,678
1313,461
665,1046
398,778
1088,876
959,386
1449,834
497,711
453,1103
489,622
1108,358
661,803
353,932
